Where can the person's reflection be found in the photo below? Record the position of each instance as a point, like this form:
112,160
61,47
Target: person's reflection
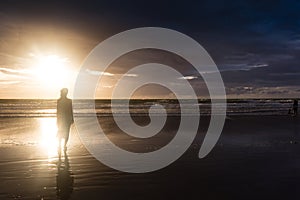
64,178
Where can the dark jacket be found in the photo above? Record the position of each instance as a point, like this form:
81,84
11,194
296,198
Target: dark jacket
64,113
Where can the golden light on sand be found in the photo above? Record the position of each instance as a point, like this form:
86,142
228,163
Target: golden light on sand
52,71
48,140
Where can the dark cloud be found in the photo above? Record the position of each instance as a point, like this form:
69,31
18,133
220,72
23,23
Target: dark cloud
256,44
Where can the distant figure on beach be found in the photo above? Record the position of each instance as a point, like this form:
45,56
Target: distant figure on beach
295,107
64,117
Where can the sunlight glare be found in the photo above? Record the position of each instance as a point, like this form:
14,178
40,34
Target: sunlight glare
52,70
48,140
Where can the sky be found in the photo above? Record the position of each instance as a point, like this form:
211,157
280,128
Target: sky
255,44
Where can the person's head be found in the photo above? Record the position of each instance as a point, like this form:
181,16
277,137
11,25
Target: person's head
64,92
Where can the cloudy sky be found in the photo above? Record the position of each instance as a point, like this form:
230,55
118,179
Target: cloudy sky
255,44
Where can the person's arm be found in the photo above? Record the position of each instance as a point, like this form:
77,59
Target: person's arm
57,112
72,117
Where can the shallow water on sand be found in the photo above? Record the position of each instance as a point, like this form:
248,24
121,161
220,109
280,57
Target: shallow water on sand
256,157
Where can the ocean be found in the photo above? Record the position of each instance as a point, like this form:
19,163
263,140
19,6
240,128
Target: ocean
47,108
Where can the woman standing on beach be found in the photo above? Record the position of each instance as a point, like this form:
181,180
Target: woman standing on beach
64,117
295,107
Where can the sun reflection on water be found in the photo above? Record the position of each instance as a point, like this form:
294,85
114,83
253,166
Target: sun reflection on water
48,140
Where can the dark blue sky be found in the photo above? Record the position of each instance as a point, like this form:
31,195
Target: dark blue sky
256,44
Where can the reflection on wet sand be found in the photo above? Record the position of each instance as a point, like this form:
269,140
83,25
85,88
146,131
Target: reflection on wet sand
245,160
64,178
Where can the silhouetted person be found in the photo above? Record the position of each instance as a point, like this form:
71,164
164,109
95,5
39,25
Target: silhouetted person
64,117
295,107
64,178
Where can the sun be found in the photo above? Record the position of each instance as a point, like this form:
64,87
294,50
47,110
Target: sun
52,70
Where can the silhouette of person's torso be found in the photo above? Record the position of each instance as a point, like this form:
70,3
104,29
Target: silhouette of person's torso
295,105
64,113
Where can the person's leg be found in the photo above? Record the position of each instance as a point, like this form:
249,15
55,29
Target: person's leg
59,148
67,133
59,141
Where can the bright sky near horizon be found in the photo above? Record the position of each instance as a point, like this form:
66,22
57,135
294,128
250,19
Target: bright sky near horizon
255,44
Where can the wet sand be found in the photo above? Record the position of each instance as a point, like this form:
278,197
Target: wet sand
256,157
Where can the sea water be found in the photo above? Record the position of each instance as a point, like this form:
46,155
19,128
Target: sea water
47,108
